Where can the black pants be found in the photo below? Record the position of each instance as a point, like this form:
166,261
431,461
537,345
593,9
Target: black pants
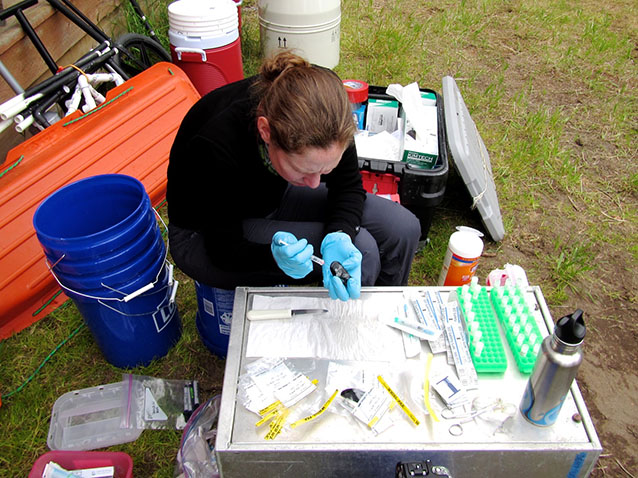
388,240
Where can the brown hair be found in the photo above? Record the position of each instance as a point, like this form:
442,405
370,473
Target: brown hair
306,105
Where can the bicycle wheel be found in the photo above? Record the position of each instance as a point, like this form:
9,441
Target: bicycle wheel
143,52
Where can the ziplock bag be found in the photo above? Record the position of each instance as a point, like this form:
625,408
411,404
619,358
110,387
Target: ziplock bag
156,403
196,457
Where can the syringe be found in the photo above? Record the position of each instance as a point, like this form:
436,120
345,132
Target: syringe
336,267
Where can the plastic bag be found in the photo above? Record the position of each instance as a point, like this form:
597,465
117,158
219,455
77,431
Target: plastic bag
196,457
282,395
157,403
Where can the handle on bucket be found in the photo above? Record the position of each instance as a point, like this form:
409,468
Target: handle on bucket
180,50
170,297
132,295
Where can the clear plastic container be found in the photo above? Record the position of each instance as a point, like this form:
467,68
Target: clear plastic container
89,418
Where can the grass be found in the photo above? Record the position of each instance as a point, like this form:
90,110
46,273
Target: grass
551,87
571,259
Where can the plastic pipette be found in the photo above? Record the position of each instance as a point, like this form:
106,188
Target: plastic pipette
313,258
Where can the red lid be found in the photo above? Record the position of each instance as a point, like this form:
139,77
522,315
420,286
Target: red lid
357,90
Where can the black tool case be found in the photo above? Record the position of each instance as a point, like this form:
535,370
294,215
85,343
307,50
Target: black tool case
420,190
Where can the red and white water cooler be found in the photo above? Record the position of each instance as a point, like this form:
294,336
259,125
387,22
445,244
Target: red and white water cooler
204,37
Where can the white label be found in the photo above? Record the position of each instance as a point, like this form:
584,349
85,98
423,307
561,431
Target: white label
449,389
372,409
294,390
461,353
152,411
101,472
427,313
209,307
373,404
269,380
163,316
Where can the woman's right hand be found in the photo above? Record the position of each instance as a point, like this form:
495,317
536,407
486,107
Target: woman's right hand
292,255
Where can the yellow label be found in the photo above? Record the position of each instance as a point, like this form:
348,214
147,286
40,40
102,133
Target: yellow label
269,408
277,425
316,414
426,388
396,398
266,417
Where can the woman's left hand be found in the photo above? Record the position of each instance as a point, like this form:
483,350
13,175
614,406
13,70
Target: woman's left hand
337,246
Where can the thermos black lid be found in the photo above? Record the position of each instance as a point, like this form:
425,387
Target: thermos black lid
571,328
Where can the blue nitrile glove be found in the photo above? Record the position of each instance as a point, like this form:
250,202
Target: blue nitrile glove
292,255
337,246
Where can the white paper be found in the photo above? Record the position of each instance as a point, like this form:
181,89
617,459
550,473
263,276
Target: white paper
349,331
384,146
152,411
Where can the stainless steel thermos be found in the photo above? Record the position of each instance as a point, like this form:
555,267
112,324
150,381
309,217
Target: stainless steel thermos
554,371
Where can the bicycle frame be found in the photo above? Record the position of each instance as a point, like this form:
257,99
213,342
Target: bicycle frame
32,104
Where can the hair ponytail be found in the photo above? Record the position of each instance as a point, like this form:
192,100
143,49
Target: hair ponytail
273,67
306,105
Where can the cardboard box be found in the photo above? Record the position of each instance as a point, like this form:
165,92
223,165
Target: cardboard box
421,150
382,115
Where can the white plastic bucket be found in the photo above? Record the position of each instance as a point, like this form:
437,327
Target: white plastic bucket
202,23
310,28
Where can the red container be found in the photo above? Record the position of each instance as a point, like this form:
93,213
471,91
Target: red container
210,68
239,2
77,460
381,184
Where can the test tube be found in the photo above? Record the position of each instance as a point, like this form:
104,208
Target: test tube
467,307
516,328
478,348
528,328
524,350
532,338
471,315
520,339
537,347
476,335
475,289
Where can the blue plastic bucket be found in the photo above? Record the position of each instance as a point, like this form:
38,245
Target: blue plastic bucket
103,212
104,246
136,332
138,265
214,316
113,261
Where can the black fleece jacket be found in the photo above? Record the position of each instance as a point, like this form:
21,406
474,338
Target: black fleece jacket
217,178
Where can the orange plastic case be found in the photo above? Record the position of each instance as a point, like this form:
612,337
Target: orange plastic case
130,133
